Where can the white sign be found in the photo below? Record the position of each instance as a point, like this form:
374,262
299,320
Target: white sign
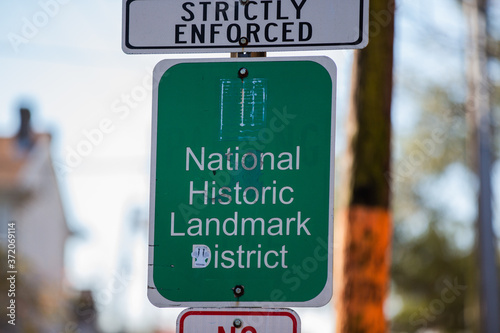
238,320
175,26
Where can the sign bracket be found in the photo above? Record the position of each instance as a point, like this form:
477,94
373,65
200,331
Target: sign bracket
248,54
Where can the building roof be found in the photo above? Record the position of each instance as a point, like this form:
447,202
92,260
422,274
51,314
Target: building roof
11,162
16,160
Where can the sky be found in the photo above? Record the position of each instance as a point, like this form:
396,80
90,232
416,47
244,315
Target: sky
63,59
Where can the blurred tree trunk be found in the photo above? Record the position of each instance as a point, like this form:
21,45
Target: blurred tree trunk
478,108
363,224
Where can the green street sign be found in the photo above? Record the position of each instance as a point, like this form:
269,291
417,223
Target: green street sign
242,182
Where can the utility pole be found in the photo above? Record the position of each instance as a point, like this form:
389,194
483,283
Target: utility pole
364,221
478,107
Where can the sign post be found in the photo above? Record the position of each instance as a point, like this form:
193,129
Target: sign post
242,182
175,26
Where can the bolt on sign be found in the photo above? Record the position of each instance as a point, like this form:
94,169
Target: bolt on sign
173,26
241,320
242,182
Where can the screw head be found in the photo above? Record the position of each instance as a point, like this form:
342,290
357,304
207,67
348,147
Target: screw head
244,2
242,72
243,41
237,323
238,291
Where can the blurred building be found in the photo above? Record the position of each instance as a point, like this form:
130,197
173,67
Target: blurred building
30,198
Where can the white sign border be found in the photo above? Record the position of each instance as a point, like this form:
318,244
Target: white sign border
325,295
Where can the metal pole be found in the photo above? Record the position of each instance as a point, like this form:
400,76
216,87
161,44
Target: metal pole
486,238
479,103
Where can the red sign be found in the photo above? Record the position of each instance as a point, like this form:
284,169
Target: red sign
238,320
